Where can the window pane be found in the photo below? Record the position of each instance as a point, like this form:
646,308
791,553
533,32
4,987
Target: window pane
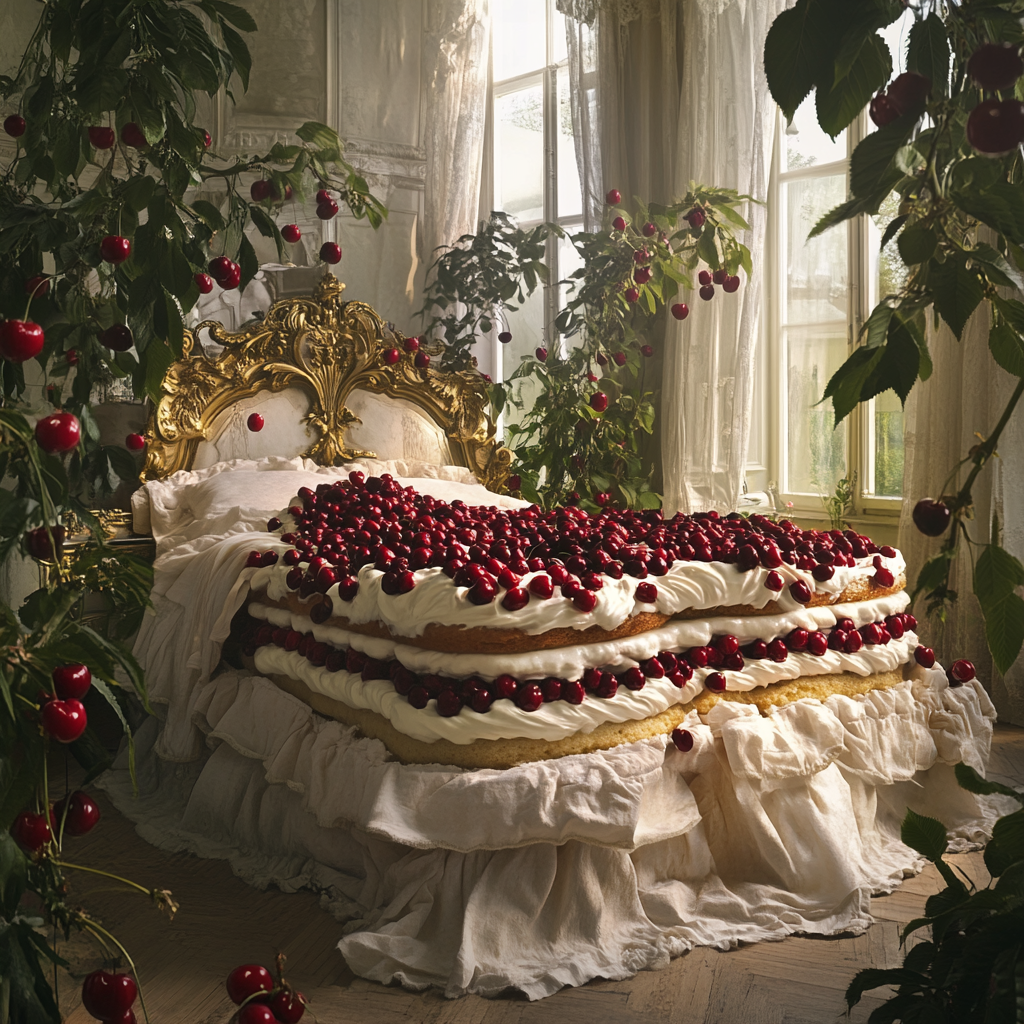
559,47
519,33
569,261
885,446
816,268
815,452
519,153
570,193
527,327
805,144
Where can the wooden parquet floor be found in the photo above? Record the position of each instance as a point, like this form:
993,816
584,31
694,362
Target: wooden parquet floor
223,922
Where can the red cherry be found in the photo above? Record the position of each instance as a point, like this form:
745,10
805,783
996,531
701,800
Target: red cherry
908,91
619,358
961,670
707,292
996,128
515,482
715,682
720,276
422,360
924,656
695,218
391,356
37,286
632,294
680,310
225,272
82,813
71,357
288,1007
800,592
14,125
731,284
132,135
683,739
995,66
541,353
774,581
204,283
117,337
255,422
515,599
599,401
71,681
135,442
58,432
108,996
614,197
883,577
931,517
38,545
247,980
327,209
128,1017
529,697
64,720
704,277
330,252
20,340
102,138
602,498
115,249
291,233
642,275
882,111
649,229
646,593
31,831
646,351
260,190
207,139
505,337
619,224
256,1013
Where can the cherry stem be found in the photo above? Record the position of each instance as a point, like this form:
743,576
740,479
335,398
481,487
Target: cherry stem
106,874
97,930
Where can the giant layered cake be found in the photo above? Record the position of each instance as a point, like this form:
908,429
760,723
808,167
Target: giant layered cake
484,638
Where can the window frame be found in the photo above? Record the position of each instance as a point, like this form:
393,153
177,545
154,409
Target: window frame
547,77
861,298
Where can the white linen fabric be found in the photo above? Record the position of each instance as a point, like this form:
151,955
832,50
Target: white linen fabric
554,872
724,138
943,419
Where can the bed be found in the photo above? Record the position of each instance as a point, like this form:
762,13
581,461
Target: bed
535,877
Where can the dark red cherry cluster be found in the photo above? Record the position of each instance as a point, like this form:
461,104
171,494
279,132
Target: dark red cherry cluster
452,695
345,525
263,1001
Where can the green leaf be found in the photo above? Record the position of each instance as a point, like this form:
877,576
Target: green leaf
240,54
209,215
928,51
876,977
138,191
846,384
838,106
793,53
891,230
1000,271
996,576
238,16
91,754
970,780
917,245
318,135
956,292
247,261
874,155
926,835
1006,847
157,360
877,327
998,205
13,872
1007,347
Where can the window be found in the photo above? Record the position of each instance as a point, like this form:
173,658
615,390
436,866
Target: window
530,169
821,291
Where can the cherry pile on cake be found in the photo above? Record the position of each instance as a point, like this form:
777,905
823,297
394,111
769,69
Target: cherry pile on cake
487,637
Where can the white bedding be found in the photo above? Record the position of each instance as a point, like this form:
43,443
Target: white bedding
544,875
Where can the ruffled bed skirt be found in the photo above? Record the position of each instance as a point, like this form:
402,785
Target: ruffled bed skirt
557,872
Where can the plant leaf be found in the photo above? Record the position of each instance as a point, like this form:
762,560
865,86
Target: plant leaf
926,835
838,106
928,51
956,292
970,780
793,53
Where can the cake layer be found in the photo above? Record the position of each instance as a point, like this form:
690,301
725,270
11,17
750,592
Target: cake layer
504,639
569,662
506,753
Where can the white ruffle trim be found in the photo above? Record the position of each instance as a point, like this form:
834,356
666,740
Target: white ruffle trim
557,872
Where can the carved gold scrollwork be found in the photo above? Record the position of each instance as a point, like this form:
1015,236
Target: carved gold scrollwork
327,348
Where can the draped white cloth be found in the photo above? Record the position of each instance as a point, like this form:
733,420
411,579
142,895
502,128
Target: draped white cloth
456,51
724,137
944,415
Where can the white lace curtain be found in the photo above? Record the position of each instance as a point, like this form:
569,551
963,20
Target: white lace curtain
679,94
456,48
966,394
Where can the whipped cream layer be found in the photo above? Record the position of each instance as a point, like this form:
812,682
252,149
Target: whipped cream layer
559,719
686,585
613,655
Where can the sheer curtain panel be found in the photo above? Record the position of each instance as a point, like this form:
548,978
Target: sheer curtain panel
456,52
944,415
724,137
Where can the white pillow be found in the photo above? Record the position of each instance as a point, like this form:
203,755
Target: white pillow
246,492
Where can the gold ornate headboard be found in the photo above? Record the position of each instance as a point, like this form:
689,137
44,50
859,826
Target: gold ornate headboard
327,348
